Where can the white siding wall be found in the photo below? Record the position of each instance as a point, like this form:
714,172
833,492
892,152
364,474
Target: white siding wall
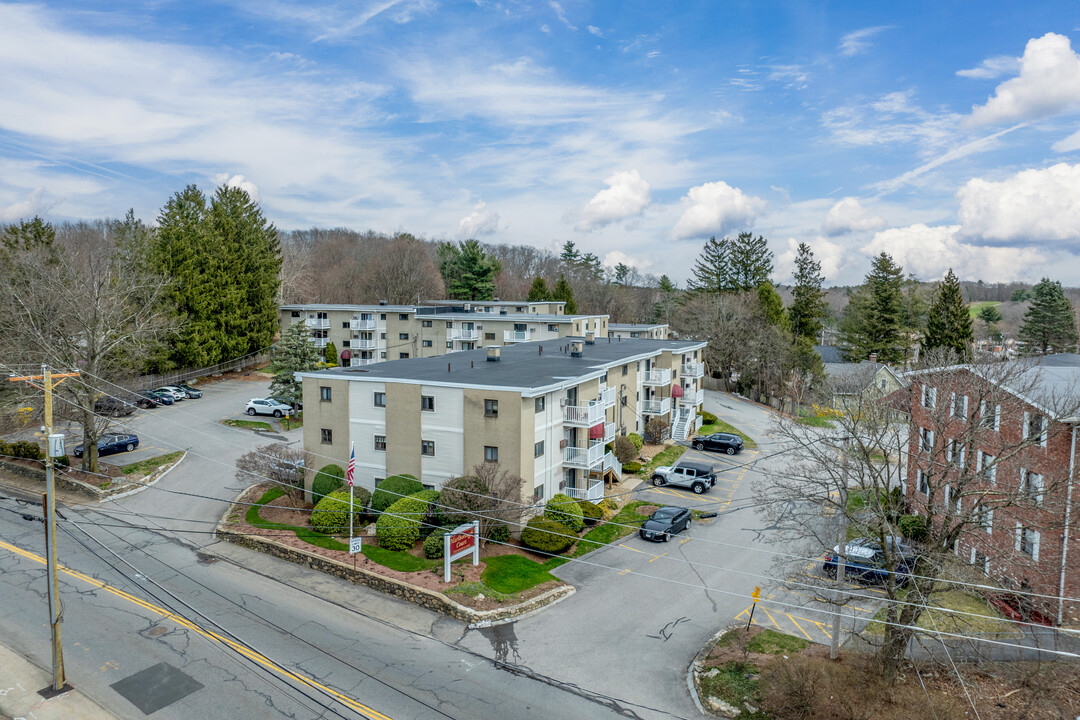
547,470
445,427
365,422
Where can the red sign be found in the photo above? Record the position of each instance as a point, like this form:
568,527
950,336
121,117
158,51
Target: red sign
462,541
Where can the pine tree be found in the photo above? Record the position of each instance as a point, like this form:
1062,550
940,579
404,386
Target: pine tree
539,290
948,323
469,272
564,293
183,253
750,263
772,305
570,255
873,320
711,273
330,356
622,273
808,306
1049,323
293,353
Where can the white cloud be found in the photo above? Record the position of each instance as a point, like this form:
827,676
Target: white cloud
714,209
545,28
929,252
849,215
829,254
1032,206
1068,144
561,14
481,221
34,204
891,118
615,257
991,68
595,31
626,196
238,181
1048,84
858,42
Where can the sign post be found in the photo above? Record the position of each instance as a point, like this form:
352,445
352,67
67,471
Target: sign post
757,596
458,543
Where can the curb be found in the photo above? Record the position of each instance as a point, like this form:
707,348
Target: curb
143,486
695,665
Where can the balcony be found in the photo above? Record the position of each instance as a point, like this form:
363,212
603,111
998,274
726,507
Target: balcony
580,457
357,362
693,397
513,336
606,397
318,342
693,370
361,344
593,493
358,324
464,335
656,406
655,378
609,434
318,323
583,415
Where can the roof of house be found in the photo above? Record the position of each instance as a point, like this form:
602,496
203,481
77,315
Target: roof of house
494,303
635,326
829,354
533,368
349,308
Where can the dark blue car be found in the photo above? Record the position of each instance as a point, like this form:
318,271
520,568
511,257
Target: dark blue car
111,444
865,561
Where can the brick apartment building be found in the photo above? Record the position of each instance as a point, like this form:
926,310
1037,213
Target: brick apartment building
996,450
544,411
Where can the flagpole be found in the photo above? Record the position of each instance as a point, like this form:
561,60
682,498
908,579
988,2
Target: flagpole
352,455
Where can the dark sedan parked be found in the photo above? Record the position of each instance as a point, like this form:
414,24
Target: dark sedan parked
113,406
719,442
665,522
192,393
162,398
146,399
112,444
865,561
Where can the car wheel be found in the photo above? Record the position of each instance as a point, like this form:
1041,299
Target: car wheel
731,451
830,571
698,488
251,411
667,536
699,446
277,413
130,447
687,526
658,482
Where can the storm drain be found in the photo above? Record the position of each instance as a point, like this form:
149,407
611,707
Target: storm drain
156,687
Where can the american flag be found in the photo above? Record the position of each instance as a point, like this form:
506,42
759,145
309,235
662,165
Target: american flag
352,463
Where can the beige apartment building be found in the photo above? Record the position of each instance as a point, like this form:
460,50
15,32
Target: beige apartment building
542,410
633,331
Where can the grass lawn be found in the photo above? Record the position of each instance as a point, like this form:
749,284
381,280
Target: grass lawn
992,622
511,574
735,683
248,424
611,530
770,642
291,423
721,426
151,464
975,308
402,561
664,457
814,421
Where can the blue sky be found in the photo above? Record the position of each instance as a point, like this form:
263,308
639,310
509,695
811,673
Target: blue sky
945,133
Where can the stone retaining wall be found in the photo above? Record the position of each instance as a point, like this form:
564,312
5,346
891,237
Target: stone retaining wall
423,597
118,486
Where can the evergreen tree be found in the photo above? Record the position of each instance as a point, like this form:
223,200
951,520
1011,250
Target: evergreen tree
469,272
622,273
772,305
183,253
330,356
873,320
570,255
711,273
293,353
1020,295
948,324
564,293
989,314
28,235
1049,324
750,263
665,306
539,290
808,306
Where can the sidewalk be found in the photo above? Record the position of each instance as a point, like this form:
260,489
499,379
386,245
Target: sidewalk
20,680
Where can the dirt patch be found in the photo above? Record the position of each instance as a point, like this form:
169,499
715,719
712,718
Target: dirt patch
646,510
648,452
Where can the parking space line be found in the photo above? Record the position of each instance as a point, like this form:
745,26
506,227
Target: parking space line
684,541
796,623
814,597
769,614
657,557
643,552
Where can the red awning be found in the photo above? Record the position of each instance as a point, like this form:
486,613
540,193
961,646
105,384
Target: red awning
346,355
596,432
676,391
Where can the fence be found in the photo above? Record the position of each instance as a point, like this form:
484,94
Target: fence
178,376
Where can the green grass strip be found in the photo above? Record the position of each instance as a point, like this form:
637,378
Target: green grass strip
665,457
621,525
397,560
248,424
721,426
513,573
151,464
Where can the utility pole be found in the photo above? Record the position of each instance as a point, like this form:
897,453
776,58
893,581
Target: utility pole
841,559
54,448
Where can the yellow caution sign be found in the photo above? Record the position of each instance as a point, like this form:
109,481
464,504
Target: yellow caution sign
756,594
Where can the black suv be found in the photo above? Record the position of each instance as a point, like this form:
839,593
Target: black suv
719,442
865,561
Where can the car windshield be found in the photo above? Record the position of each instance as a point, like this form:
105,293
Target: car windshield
663,514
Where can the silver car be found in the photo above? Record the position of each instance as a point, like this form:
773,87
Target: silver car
696,476
267,406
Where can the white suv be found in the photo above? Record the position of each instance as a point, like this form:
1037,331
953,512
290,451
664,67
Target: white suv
267,406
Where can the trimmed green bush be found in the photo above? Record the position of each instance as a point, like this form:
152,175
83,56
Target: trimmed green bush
638,441
913,527
62,461
546,535
22,449
631,467
590,512
434,517
326,481
398,528
565,510
624,448
393,489
707,417
331,514
499,533
434,543
608,505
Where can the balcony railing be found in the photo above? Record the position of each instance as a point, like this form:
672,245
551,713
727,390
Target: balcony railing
362,344
612,463
693,370
465,335
515,336
606,397
357,362
656,377
583,415
656,406
594,492
609,433
318,342
580,457
318,323
359,324
693,397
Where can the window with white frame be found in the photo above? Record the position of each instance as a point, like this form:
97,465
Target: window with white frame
491,453
956,453
1035,428
959,406
538,492
924,482
427,403
980,561
427,448
929,397
926,440
380,399
538,403
990,416
538,449
1027,541
380,442
1031,485
986,469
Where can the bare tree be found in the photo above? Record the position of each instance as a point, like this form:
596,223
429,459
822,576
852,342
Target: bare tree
401,273
490,496
278,462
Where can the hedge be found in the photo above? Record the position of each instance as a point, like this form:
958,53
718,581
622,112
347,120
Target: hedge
22,449
638,441
434,544
565,510
707,417
548,536
434,516
398,528
631,467
326,481
590,512
393,489
331,514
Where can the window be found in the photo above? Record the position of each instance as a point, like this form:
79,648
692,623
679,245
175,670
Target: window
929,397
324,394
382,355
539,403
926,440
382,336
403,356
296,313
491,454
489,336
380,399
625,370
982,516
881,383
403,316
380,442
327,436
986,468
427,403
1031,485
344,324
990,416
449,346
449,326
538,449
1035,428
491,408
957,453
924,483
425,323
427,343
344,343
959,406
538,492
1027,541
403,336
553,328
980,561
382,316
427,447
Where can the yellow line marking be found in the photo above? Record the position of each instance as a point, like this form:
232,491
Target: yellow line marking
742,613
657,557
772,618
820,627
184,622
684,541
792,618
815,597
624,572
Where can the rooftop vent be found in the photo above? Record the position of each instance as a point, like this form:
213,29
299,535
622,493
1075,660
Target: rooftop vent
494,354
590,338
577,347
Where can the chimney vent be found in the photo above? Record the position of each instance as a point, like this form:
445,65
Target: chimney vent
590,338
382,302
873,357
577,347
494,354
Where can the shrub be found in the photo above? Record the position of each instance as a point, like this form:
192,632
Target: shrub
624,448
331,513
654,429
393,489
326,481
590,512
499,533
546,535
608,505
707,417
398,528
62,461
913,527
467,495
434,543
434,516
22,449
565,510
631,467
637,440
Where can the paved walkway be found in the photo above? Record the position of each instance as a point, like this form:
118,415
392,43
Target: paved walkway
20,680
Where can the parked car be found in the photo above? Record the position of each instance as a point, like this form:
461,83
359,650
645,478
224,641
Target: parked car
193,393
147,399
267,406
176,393
111,444
865,560
163,398
113,406
299,405
696,476
665,522
719,442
